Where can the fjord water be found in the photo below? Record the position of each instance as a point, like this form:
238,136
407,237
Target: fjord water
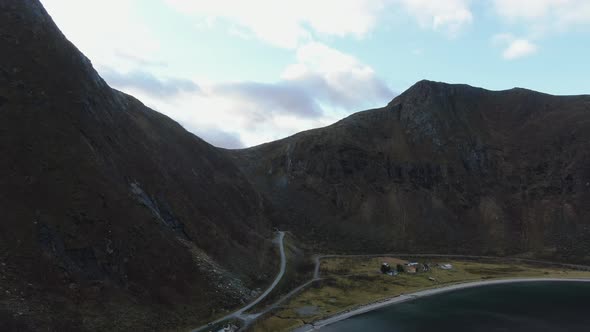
523,307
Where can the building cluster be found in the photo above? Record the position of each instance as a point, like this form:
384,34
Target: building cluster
412,268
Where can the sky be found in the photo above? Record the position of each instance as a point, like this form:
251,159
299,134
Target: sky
240,73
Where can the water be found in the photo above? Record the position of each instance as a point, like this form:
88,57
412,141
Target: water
534,307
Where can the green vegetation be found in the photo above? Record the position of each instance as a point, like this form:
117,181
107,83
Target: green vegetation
350,282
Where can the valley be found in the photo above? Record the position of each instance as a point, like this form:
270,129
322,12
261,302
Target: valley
115,217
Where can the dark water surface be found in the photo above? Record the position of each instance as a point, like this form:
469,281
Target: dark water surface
534,307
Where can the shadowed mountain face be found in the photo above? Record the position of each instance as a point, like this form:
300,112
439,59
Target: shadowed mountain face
113,217
442,168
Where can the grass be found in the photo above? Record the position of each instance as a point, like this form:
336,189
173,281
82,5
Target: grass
342,266
350,282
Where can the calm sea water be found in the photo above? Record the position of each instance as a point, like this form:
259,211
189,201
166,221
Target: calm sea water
534,307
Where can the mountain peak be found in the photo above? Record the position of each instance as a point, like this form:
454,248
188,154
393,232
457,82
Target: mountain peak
37,55
425,89
432,86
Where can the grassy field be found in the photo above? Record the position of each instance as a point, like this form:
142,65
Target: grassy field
350,282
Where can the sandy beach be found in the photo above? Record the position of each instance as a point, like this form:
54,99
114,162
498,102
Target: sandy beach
428,292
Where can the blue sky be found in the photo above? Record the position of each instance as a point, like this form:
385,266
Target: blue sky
240,73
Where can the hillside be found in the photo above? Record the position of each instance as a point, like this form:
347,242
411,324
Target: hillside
442,168
113,216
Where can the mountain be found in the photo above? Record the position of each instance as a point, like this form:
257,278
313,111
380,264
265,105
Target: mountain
441,169
113,217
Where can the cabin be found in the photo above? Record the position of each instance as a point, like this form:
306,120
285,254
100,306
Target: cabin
411,269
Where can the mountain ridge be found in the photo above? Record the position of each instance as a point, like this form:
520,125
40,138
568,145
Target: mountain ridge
465,153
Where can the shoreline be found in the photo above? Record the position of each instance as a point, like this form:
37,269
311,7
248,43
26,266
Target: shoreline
423,293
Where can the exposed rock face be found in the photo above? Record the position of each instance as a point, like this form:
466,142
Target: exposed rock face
113,217
442,168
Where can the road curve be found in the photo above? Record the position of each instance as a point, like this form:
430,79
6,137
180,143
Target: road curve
277,279
238,313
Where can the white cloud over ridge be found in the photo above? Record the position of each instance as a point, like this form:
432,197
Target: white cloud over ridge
336,78
323,86
515,48
148,83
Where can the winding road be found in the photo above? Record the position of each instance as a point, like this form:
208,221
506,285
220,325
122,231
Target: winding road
239,314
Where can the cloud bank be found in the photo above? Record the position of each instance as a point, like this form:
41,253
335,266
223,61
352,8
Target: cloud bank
290,24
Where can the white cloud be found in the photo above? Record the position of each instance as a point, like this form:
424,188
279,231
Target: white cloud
546,14
449,16
514,48
519,48
288,24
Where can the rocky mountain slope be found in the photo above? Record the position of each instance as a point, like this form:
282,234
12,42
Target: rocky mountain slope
112,216
443,168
